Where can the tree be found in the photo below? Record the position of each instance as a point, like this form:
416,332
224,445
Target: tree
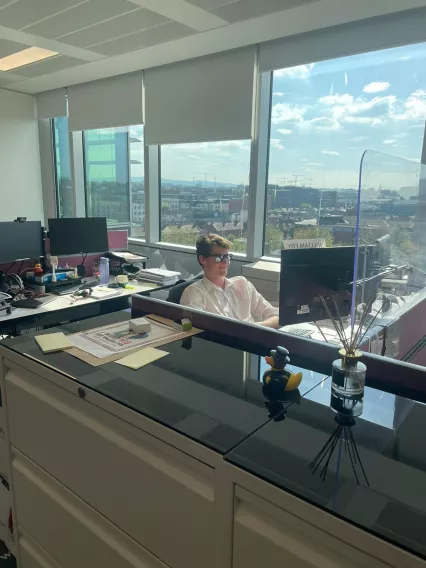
273,238
314,233
239,244
178,236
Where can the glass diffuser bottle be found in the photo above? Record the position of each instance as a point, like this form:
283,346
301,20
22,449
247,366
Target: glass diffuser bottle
348,383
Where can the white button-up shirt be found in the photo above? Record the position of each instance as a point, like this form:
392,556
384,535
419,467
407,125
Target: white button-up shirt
238,300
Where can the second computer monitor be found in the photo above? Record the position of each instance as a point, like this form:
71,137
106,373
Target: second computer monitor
20,241
78,235
307,274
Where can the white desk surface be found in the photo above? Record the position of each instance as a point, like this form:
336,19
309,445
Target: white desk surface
63,302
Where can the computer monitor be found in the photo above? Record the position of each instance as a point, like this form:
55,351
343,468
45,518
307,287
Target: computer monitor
19,241
78,235
307,274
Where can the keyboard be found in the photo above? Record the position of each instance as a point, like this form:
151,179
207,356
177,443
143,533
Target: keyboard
66,289
299,331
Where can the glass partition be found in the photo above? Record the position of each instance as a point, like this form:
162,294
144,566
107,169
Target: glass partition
375,272
390,261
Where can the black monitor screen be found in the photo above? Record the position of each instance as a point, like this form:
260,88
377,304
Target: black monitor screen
78,235
20,240
307,274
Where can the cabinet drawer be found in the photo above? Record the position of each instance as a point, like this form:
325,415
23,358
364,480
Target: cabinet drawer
70,531
160,497
33,556
265,535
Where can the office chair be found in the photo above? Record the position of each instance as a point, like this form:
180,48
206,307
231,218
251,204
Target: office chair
176,292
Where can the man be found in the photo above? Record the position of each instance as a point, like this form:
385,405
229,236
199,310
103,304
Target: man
234,297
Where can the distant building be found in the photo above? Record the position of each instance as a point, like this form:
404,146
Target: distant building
297,197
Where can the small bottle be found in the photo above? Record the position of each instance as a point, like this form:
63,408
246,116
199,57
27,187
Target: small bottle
348,383
104,270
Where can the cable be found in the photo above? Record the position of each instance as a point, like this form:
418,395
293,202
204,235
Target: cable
7,271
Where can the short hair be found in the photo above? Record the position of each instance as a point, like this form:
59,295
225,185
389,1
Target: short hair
205,243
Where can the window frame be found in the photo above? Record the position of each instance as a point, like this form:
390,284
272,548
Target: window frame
258,178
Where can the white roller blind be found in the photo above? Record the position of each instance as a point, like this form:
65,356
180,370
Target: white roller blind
367,35
52,104
116,101
201,100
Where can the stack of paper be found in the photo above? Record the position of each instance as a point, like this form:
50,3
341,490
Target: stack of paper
102,292
52,342
159,276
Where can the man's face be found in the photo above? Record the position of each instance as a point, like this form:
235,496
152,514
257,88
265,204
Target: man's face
213,269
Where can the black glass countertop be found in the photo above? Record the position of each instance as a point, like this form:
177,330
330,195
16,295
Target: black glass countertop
390,500
200,389
209,389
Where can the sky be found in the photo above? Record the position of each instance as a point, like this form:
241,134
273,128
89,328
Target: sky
323,117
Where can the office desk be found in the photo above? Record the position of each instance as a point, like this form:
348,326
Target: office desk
67,308
178,464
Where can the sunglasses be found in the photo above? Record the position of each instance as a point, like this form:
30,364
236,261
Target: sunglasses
219,257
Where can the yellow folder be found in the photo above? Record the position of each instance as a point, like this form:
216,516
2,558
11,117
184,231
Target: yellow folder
141,358
53,342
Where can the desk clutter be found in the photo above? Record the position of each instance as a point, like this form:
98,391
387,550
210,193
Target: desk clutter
158,276
38,264
130,343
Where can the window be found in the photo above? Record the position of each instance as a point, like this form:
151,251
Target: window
204,189
114,177
323,117
61,144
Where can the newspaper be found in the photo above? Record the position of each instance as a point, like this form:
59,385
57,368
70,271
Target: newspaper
117,338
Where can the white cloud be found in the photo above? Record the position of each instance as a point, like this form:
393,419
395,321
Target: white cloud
376,87
285,112
390,142
322,123
345,108
330,152
374,108
365,120
278,94
414,107
276,143
331,100
284,131
315,164
298,72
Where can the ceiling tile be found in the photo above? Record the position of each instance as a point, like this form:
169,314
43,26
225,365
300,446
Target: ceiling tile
208,4
8,47
123,25
247,9
83,15
49,66
160,34
26,12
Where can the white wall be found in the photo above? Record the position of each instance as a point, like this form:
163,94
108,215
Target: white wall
20,177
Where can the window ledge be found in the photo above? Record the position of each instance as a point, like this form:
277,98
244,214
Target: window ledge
178,248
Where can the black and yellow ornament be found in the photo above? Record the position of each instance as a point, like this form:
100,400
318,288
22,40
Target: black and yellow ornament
278,380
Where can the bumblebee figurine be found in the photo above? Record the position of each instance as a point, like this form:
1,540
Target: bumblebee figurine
278,380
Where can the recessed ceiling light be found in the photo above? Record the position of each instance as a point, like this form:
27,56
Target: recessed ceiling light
25,57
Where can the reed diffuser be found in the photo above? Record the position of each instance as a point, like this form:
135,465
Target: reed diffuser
347,394
348,372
